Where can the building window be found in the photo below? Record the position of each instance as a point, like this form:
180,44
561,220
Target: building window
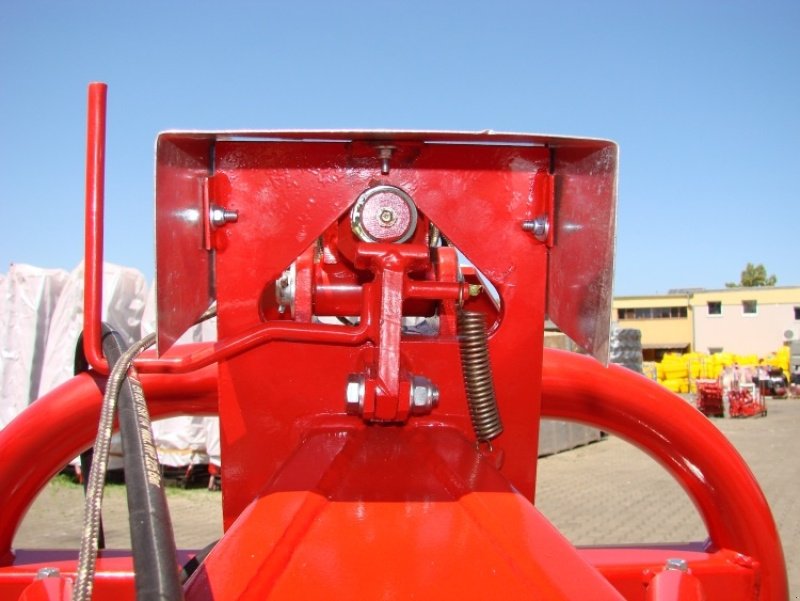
653,313
713,350
715,307
797,312
749,307
678,312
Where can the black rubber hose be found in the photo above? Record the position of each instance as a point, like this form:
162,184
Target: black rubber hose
80,365
152,537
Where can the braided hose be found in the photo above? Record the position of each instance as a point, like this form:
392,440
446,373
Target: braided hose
146,506
87,555
474,345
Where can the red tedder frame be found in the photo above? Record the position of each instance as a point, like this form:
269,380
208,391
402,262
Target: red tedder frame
352,387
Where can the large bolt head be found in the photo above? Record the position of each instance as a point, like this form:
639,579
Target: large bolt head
384,214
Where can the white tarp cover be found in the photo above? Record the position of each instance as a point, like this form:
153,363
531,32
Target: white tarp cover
124,295
186,439
28,296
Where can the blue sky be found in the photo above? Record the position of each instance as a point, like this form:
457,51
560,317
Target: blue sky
702,97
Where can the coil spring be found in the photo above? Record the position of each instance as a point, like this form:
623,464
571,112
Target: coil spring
474,346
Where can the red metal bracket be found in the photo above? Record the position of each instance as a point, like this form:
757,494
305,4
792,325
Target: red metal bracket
387,388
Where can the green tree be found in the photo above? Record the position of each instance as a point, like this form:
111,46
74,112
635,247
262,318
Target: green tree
752,276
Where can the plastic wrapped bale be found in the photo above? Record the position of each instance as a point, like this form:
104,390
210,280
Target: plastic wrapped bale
625,348
124,292
28,297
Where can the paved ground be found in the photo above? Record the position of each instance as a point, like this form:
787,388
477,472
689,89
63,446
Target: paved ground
612,492
604,492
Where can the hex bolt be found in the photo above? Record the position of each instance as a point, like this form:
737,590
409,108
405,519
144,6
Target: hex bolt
539,227
354,394
384,154
424,395
219,216
677,564
387,217
48,573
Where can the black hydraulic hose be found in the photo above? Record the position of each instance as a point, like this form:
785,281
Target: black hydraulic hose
81,365
152,540
152,537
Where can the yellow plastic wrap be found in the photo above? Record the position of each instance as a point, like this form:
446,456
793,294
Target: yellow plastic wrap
673,385
650,370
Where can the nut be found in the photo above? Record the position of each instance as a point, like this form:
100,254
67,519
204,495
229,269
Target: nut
539,227
387,217
424,395
677,564
48,573
354,394
219,216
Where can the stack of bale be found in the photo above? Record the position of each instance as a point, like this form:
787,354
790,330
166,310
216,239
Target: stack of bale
781,358
625,348
680,372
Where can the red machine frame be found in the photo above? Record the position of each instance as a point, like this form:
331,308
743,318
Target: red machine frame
380,498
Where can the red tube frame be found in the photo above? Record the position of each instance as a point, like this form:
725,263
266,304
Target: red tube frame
680,438
75,407
575,388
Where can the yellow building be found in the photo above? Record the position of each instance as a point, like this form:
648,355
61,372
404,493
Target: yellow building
745,321
664,321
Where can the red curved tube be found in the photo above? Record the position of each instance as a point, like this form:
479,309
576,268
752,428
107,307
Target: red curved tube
574,388
679,437
61,424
